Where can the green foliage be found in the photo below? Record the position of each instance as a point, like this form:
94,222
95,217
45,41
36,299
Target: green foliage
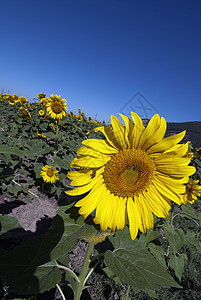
160,262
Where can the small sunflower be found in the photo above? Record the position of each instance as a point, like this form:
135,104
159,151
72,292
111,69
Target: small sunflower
41,112
52,127
25,113
71,113
41,96
46,116
11,101
79,118
56,107
41,136
75,127
86,132
49,174
198,152
189,153
135,172
90,118
23,100
193,190
43,101
15,97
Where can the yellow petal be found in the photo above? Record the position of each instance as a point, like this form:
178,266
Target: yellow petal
157,136
163,190
90,202
86,188
133,226
104,210
176,171
100,146
108,133
118,130
121,213
152,126
137,129
167,143
128,131
90,162
156,203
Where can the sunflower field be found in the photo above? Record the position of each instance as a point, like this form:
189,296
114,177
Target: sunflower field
128,219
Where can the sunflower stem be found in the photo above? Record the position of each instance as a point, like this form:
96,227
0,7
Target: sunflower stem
84,271
56,141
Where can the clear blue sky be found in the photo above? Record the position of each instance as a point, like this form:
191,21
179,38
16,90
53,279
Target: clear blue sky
98,53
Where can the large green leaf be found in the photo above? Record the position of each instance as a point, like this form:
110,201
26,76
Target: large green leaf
175,237
138,268
177,263
133,263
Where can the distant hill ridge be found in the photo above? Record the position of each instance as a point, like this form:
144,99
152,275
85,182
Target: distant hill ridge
193,131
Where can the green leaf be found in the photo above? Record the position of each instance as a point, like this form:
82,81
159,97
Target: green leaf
188,212
37,169
151,235
158,253
4,149
175,237
138,268
191,241
177,263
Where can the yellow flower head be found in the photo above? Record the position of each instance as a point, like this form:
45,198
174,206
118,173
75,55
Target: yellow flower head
86,132
23,100
46,115
41,96
25,113
43,101
198,152
11,100
15,98
41,112
193,190
56,107
41,136
135,172
90,118
49,174
52,127
75,127
79,118
71,113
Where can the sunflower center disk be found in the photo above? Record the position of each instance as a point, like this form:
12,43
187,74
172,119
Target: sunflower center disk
57,107
49,173
129,173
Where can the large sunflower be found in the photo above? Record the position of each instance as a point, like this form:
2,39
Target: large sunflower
135,172
56,107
